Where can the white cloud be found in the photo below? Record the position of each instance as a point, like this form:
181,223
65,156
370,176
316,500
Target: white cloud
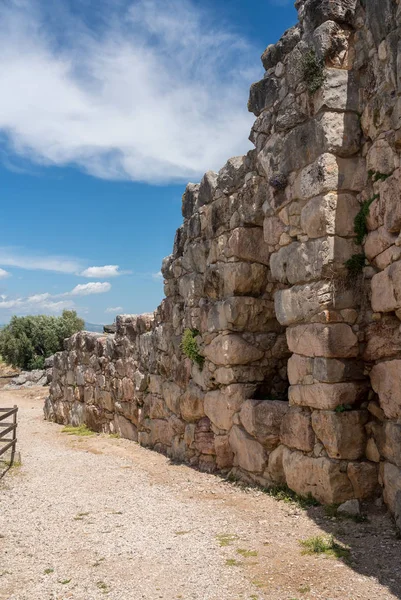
10,257
86,289
114,309
4,274
152,94
39,303
157,276
103,272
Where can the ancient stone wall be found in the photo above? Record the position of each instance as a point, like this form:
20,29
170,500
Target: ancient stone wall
279,284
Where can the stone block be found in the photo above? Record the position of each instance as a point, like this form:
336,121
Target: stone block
391,477
386,382
221,405
241,313
235,279
335,340
299,303
247,243
273,228
189,199
388,440
383,339
377,242
364,477
249,454
275,469
262,95
326,396
125,428
231,176
386,289
342,434
390,192
323,478
232,350
305,261
340,91
300,370
207,188
333,370
171,394
381,158
296,430
191,404
224,453
262,420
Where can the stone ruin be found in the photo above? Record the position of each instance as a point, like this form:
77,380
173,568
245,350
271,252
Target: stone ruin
287,271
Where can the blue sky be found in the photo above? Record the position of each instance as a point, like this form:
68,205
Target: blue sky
105,114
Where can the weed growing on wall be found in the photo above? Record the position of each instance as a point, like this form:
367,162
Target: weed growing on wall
355,264
360,226
313,71
189,346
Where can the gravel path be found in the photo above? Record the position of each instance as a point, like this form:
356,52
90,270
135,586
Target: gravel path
96,517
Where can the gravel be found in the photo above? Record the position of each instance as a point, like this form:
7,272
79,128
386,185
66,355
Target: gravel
94,517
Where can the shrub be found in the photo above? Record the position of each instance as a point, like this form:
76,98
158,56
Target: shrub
360,226
27,341
355,264
313,71
189,346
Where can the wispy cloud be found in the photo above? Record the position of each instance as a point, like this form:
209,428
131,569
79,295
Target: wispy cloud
114,309
103,272
4,274
86,289
35,304
150,95
157,276
10,257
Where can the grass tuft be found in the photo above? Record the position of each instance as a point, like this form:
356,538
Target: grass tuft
324,545
81,430
282,493
226,539
247,553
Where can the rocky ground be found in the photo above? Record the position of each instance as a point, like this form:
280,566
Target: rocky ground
94,517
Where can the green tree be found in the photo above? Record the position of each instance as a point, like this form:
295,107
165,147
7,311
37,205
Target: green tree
27,341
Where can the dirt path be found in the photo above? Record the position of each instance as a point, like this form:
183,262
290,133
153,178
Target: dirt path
89,518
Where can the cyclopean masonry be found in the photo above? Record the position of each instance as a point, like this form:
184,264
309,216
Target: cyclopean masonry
287,269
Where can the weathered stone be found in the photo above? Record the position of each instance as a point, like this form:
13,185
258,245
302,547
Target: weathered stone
275,467
391,476
296,430
301,302
277,52
333,370
386,381
171,395
390,191
247,243
364,479
241,314
383,339
207,188
235,279
342,434
262,95
381,158
220,405
336,340
338,92
231,176
326,396
249,454
349,508
323,478
273,228
262,420
386,289
232,350
300,370
125,428
192,404
189,199
388,440
224,453
372,452
377,242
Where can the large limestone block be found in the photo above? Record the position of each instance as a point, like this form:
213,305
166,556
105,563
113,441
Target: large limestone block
192,404
331,214
340,91
204,437
273,228
388,440
262,95
207,188
241,313
321,477
326,396
386,289
391,193
232,350
383,339
171,394
381,158
317,12
189,199
364,479
377,242
247,243
333,370
299,303
275,468
300,369
328,173
391,477
249,454
235,279
336,340
262,420
342,434
160,432
296,430
386,382
231,176
125,428
304,261
224,453
221,405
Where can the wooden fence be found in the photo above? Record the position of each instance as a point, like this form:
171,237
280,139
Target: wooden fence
8,433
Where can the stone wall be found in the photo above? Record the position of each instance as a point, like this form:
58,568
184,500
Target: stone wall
269,270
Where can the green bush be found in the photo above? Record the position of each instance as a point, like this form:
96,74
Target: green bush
355,264
27,341
313,71
189,346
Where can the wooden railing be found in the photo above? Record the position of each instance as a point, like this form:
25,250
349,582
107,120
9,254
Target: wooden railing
8,433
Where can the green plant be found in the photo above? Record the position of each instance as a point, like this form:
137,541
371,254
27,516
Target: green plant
247,553
81,430
27,341
324,545
355,264
64,581
377,176
360,226
343,408
284,494
48,571
189,346
313,71
231,562
226,539
101,585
